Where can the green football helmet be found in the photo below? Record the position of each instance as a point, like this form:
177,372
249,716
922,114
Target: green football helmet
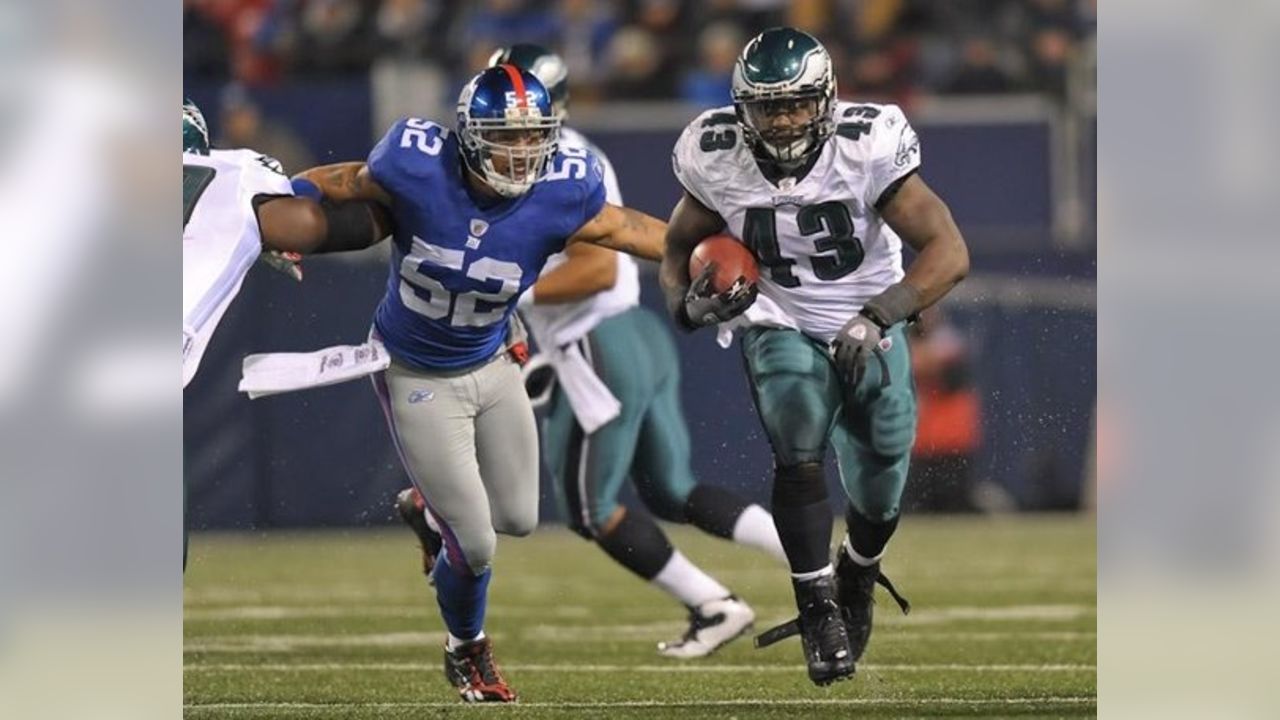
785,73
542,64
195,132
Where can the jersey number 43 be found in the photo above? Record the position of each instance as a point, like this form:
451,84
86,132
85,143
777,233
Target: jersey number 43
760,233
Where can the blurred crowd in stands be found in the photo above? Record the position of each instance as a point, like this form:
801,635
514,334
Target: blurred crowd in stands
890,50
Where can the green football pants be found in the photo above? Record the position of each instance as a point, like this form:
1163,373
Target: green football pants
634,355
801,404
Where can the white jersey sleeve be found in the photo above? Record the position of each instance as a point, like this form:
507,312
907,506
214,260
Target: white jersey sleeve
564,323
692,160
892,147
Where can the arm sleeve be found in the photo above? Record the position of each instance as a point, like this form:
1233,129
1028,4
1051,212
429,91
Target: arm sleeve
895,154
596,191
385,160
686,162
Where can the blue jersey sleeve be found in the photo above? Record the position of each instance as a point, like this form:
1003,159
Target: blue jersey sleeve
406,155
595,190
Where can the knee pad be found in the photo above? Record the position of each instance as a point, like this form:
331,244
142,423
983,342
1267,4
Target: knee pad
799,484
893,426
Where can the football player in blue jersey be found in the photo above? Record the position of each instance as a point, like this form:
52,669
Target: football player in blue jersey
585,315
476,213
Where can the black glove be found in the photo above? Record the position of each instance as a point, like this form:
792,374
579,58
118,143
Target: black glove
853,347
703,306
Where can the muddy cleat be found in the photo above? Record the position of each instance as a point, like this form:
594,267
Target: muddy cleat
412,509
856,584
472,670
821,630
712,625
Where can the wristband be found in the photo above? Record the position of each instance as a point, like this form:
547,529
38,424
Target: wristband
898,302
304,188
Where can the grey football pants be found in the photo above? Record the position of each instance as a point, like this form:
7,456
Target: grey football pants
469,443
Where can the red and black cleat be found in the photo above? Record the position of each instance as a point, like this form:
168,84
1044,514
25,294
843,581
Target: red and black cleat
472,670
412,509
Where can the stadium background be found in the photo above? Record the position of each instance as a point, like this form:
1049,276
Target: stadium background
1002,93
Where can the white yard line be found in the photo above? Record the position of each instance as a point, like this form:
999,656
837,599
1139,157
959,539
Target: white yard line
816,702
593,668
277,643
920,616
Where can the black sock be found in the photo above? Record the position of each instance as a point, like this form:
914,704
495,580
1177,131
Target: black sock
638,544
714,510
867,536
803,516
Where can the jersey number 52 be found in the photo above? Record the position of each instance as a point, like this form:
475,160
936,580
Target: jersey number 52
473,308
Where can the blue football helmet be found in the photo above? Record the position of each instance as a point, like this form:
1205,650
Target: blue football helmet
195,133
507,128
545,65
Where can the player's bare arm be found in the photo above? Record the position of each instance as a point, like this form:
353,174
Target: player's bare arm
625,230
292,224
691,221
589,269
346,181
303,226
924,222
693,303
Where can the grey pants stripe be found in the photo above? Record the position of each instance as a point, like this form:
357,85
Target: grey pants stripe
469,443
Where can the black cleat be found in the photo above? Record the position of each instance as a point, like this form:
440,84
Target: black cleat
821,630
412,509
472,671
857,584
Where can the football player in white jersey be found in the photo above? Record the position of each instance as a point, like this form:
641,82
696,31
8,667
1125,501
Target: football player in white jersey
236,204
585,315
824,193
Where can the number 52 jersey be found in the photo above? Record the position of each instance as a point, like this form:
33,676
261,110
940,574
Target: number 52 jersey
458,267
823,248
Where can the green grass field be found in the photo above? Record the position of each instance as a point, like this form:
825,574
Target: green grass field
342,625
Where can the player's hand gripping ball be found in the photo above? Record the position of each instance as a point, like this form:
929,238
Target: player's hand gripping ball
853,347
724,276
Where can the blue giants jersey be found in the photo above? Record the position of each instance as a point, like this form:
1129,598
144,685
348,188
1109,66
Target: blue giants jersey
457,268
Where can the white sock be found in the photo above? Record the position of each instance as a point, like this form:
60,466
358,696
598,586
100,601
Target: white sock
452,642
820,572
755,527
854,556
685,581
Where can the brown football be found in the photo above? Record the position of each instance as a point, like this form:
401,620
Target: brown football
732,260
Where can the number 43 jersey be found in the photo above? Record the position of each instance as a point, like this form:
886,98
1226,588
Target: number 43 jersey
822,246
458,267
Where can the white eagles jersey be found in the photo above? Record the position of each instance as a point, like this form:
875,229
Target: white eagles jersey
823,248
556,325
220,237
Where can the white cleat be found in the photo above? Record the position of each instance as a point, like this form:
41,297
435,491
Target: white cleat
712,625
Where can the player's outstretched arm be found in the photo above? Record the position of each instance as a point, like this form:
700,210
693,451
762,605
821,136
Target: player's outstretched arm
924,222
691,221
588,270
345,181
302,225
625,230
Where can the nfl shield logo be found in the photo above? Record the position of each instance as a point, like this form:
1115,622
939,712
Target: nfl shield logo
478,227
